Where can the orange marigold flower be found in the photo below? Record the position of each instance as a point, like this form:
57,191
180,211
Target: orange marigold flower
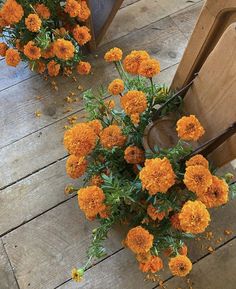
12,12
216,195
134,59
80,140
53,68
41,67
32,51
33,23
198,160
135,118
3,22
83,68
113,55
197,179
49,52
153,265
116,87
96,180
189,128
154,214
96,125
84,12
139,240
157,176
12,57
3,49
42,11
134,101
149,68
81,34
134,155
76,166
180,265
194,217
72,8
144,257
182,251
175,222
112,136
64,49
104,213
91,201
110,104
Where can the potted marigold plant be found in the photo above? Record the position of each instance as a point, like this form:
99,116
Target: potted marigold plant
48,35
162,198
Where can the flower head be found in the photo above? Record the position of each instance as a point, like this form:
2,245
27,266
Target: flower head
91,201
42,11
72,8
33,23
96,180
32,51
96,125
41,67
76,166
133,102
180,265
197,179
216,195
135,118
154,264
133,60
139,240
49,52
12,12
134,155
175,222
149,68
53,68
3,49
197,160
80,140
83,68
113,55
194,217
12,57
157,176
84,11
154,214
112,136
81,34
116,87
64,49
189,128
77,274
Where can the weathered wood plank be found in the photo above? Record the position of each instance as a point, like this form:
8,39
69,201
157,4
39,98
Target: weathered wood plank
142,13
123,263
186,19
216,271
7,279
128,2
162,39
33,196
44,250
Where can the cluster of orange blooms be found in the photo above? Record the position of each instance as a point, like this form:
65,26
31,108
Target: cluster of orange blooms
157,177
48,36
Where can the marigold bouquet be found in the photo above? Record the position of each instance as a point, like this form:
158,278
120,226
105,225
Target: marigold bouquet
48,35
162,198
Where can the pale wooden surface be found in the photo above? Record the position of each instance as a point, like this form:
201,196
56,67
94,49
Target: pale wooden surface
55,234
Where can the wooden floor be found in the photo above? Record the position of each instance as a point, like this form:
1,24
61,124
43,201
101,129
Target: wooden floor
43,233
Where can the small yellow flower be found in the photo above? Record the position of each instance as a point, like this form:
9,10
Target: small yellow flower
77,274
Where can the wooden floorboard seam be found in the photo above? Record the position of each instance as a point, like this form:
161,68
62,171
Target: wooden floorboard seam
9,261
203,257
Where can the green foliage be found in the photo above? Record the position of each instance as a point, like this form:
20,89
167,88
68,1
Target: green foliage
232,190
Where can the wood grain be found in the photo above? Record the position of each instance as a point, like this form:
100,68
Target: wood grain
145,12
216,271
44,251
7,279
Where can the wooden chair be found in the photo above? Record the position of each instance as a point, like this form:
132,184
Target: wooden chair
212,97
